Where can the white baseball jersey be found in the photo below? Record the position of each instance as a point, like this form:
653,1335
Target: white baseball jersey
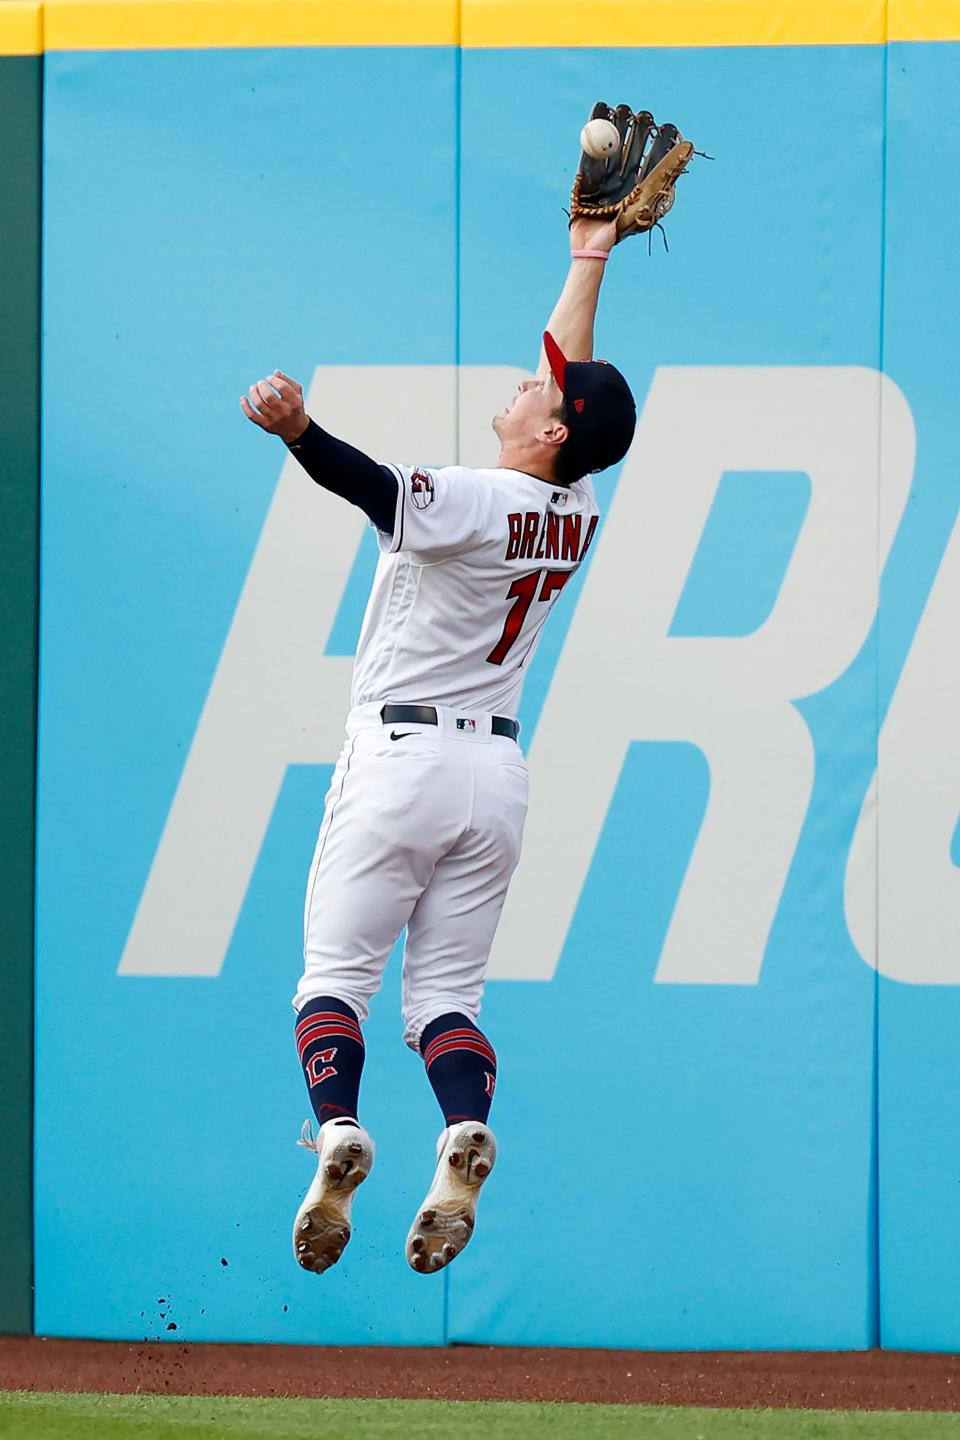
464,584
423,822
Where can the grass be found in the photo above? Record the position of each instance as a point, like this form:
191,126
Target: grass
29,1416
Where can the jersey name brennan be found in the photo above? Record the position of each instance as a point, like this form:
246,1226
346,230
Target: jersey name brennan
538,536
474,564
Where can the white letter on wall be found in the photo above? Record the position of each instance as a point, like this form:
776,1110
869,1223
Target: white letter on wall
276,699
919,802
732,697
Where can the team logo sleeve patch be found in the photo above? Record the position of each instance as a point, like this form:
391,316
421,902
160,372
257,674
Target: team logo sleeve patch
444,513
422,489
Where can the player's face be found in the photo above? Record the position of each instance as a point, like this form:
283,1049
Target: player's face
533,409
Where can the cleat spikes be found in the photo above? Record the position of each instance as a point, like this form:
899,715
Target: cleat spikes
466,1154
321,1229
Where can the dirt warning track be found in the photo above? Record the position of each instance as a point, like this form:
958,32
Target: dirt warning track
868,1380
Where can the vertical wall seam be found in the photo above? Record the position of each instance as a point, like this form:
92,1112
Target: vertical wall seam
39,603
38,598
875,1119
457,212
38,380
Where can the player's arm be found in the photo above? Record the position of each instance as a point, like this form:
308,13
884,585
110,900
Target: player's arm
571,323
276,405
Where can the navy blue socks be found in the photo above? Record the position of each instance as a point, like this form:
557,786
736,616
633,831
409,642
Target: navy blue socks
461,1067
460,1062
330,1046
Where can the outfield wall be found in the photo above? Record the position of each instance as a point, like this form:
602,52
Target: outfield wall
728,1050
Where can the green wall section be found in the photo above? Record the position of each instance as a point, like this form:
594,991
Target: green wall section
21,79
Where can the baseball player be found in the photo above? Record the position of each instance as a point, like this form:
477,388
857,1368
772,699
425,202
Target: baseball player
424,816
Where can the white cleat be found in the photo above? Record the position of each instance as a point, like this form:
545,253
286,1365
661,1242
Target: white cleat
466,1154
344,1160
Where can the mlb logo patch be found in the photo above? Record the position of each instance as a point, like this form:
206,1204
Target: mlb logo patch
469,725
559,497
421,489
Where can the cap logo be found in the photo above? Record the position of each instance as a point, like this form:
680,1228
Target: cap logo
578,406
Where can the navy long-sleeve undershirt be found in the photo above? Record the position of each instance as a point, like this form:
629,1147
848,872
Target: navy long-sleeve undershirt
347,472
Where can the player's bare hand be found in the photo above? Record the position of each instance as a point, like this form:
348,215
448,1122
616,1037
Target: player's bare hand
589,234
276,405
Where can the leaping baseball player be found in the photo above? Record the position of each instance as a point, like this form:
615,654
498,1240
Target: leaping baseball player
423,819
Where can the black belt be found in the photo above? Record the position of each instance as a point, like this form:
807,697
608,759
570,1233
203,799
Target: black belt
427,715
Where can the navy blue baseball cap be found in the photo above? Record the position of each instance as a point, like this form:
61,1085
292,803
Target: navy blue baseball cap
601,411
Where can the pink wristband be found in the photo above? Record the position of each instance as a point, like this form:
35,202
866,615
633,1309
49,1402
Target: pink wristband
589,255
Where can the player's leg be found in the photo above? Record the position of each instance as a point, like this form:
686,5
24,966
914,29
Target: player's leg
330,1047
347,935
448,944
461,1066
374,855
450,934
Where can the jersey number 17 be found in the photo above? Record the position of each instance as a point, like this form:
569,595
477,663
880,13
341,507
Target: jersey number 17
523,592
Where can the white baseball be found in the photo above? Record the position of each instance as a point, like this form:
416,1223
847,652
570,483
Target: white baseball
599,138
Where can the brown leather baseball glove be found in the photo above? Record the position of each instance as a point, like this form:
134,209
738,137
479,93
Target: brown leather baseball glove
635,185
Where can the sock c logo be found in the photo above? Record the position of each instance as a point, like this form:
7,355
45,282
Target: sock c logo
324,1058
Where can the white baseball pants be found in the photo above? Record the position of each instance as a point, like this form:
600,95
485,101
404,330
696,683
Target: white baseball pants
421,831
